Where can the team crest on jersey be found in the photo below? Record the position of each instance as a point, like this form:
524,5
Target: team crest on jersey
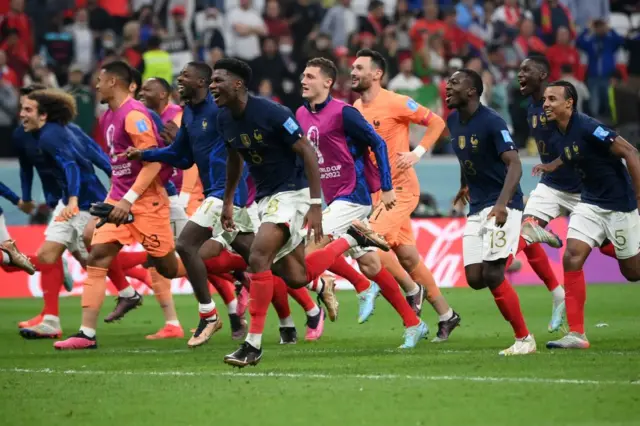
567,152
474,142
257,136
376,123
204,124
534,121
245,139
575,149
543,119
462,142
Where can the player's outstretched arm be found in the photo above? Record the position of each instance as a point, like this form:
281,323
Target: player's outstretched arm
96,155
423,116
178,154
623,149
6,192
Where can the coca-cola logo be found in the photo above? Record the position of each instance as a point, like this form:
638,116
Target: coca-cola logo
442,255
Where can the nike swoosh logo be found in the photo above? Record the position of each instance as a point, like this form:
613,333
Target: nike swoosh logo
231,140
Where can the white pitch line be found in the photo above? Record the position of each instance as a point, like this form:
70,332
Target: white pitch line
282,375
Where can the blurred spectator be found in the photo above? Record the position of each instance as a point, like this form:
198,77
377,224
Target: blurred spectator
83,95
468,13
429,24
147,21
562,53
214,56
181,24
455,38
632,44
510,14
484,28
304,17
403,20
526,43
8,112
265,89
7,75
567,74
17,57
83,43
210,28
339,21
58,48
106,43
269,66
131,49
583,12
245,26
376,21
16,18
389,49
179,41
157,62
40,73
318,46
99,19
429,60
550,16
119,12
277,26
406,82
600,44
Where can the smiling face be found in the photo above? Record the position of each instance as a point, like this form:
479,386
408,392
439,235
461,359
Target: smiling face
458,90
224,87
188,82
29,116
153,94
105,86
530,77
363,74
556,105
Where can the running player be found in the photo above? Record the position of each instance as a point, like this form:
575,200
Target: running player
608,208
199,142
139,203
11,256
391,114
280,160
342,139
490,181
44,114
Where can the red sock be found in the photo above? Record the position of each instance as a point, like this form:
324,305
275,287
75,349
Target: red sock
522,244
225,262
342,268
260,295
608,249
302,296
226,289
321,259
539,262
116,275
509,304
52,282
391,291
140,274
128,260
280,299
575,298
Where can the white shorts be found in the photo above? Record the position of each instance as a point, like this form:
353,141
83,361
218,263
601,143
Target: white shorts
4,232
253,214
547,203
592,225
337,218
178,217
288,208
208,216
484,241
68,233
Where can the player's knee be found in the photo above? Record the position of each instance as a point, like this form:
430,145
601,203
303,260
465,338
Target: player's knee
492,276
258,262
370,265
572,260
186,249
47,257
99,258
630,269
408,262
474,279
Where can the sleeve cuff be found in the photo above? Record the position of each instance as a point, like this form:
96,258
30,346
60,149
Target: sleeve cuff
131,196
419,151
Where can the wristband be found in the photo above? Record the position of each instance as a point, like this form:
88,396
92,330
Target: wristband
419,151
131,196
315,201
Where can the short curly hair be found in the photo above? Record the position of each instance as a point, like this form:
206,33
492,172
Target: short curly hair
60,107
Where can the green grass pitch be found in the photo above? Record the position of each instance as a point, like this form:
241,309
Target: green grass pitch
352,376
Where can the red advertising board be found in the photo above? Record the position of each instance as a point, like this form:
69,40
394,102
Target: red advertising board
439,243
